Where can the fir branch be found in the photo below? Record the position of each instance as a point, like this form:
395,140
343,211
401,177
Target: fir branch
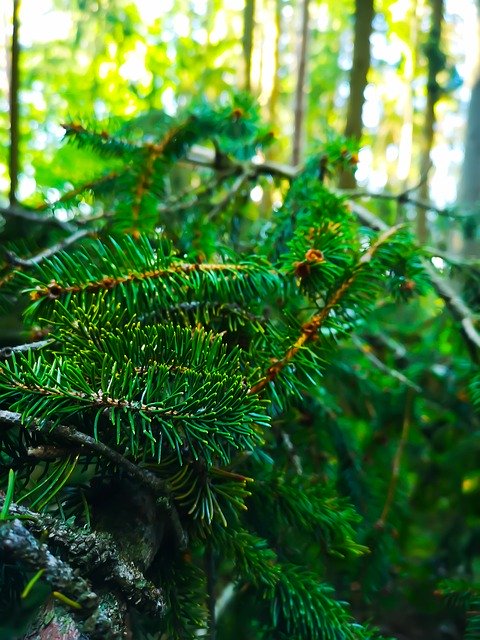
56,290
310,329
138,273
49,252
102,142
90,185
143,186
444,288
64,434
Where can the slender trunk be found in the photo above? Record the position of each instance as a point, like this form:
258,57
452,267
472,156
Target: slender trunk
299,107
435,64
405,146
248,29
469,187
273,102
14,86
364,11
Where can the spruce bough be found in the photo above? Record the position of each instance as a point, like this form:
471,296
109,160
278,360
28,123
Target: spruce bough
152,439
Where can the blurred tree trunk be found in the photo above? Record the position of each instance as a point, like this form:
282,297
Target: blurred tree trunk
364,12
436,62
273,102
248,28
299,104
410,53
13,91
469,186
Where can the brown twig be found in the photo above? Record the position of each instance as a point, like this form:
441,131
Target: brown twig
65,434
47,253
453,301
397,459
404,198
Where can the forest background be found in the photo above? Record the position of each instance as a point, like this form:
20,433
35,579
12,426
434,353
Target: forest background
120,58
399,79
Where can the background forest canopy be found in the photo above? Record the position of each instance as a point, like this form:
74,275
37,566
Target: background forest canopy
121,58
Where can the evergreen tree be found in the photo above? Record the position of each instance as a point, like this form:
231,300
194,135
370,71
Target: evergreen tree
176,456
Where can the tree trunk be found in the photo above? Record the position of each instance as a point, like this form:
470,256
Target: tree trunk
14,85
299,106
435,64
273,102
405,146
364,11
248,29
469,186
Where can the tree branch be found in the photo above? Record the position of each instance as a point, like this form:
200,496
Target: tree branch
6,352
64,434
50,251
17,541
404,198
16,211
94,553
453,302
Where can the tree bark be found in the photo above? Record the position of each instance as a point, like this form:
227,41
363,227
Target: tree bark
248,29
364,11
14,86
299,105
435,64
468,196
273,102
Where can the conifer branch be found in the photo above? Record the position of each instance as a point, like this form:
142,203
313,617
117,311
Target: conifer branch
69,435
55,289
453,301
309,331
49,252
143,185
86,186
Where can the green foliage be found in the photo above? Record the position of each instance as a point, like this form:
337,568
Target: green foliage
275,380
